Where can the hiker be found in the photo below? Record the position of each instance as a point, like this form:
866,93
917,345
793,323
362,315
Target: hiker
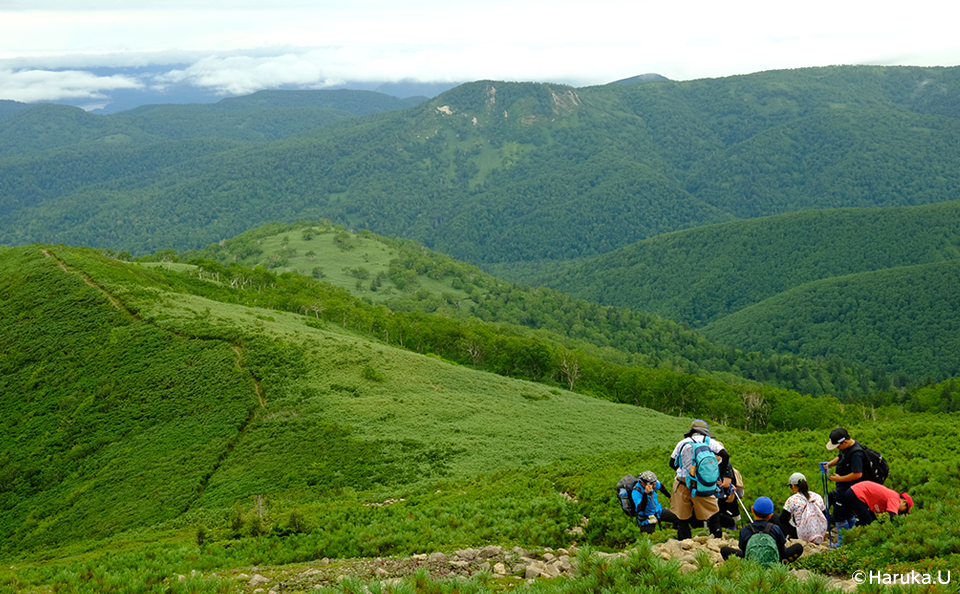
803,513
866,499
849,465
701,463
649,510
763,541
727,500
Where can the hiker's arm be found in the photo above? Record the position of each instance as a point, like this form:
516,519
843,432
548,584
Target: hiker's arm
726,471
664,491
833,462
846,478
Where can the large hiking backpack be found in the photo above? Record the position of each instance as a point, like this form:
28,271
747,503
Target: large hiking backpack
762,547
875,467
706,473
625,494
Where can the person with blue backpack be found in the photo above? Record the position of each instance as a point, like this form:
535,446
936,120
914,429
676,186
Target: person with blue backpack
703,467
763,541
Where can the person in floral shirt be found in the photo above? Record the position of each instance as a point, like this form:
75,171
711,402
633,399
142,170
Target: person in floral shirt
803,513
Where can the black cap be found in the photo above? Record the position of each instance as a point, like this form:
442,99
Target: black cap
837,436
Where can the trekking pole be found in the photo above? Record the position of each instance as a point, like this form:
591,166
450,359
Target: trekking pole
823,479
747,516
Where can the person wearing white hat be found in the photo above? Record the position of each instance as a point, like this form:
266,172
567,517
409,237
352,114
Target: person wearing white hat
803,513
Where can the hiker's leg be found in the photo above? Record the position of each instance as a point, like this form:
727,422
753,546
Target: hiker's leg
840,511
648,528
859,511
793,552
683,529
681,504
789,530
727,552
668,516
713,525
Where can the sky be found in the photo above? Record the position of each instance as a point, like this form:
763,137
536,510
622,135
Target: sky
57,50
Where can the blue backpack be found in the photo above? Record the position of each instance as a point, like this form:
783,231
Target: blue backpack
703,483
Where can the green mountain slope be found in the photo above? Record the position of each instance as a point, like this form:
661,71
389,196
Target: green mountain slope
496,172
157,421
407,277
129,402
701,275
901,318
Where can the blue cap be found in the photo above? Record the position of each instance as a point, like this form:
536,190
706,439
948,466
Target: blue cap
763,506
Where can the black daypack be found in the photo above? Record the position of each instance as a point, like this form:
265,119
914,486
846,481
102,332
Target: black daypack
875,467
625,494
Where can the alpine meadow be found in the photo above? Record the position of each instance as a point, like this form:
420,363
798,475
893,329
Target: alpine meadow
338,341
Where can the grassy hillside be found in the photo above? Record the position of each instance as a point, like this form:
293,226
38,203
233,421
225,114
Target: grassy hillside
151,430
408,277
128,405
900,318
496,172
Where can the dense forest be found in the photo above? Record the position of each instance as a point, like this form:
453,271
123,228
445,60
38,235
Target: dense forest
496,172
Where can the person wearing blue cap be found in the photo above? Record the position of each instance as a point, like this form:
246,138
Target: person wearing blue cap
766,536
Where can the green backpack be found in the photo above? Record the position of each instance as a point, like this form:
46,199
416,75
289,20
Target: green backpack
762,547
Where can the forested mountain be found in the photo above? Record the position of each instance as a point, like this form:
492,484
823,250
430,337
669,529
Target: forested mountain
700,275
901,318
498,172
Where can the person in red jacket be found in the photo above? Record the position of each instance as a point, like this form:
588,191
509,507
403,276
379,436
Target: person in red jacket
867,498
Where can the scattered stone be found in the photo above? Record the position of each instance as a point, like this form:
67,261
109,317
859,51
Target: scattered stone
687,568
500,569
381,572
258,579
490,551
468,554
437,558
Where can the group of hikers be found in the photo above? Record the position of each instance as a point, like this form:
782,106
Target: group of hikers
708,489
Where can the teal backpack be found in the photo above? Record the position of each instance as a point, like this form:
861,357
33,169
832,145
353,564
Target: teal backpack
706,470
762,547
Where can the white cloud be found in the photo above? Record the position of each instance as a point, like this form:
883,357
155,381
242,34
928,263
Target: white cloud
43,85
240,46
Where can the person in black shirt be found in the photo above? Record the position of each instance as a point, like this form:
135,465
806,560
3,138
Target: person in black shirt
849,464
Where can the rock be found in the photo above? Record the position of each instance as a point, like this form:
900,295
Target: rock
437,558
533,570
459,563
519,551
491,551
500,569
551,571
258,579
468,554
311,571
800,574
485,566
688,544
701,539
563,552
688,558
243,576
688,568
549,557
324,561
